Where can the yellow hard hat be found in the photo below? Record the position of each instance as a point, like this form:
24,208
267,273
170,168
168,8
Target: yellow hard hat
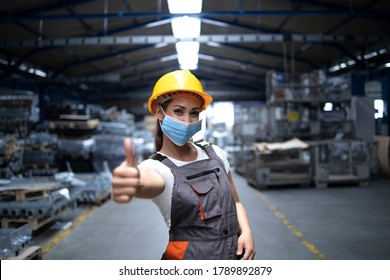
179,80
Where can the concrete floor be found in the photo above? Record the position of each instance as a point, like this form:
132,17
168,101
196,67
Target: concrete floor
335,223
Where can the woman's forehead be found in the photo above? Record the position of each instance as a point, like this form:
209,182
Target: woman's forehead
186,101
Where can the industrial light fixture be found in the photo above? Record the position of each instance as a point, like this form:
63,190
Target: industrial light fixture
367,56
328,107
185,6
32,70
334,68
370,55
189,62
188,55
186,27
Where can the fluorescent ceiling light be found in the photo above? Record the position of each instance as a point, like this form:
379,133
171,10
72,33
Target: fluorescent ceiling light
187,47
334,68
387,65
185,6
188,55
328,107
40,73
370,55
23,67
189,62
186,27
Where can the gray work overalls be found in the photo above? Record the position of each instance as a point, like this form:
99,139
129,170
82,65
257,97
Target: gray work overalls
204,221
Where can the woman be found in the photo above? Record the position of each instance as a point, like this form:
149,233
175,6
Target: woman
191,184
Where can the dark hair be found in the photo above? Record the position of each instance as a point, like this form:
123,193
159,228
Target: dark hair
158,139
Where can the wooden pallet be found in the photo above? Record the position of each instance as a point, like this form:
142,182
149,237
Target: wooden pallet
274,179
334,180
39,148
34,222
28,253
11,152
28,191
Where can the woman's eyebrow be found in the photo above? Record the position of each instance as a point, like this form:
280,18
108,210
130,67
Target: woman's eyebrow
182,107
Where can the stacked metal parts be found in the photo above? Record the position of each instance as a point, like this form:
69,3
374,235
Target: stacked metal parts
98,189
18,110
75,125
11,156
37,161
12,241
35,202
94,188
40,151
108,142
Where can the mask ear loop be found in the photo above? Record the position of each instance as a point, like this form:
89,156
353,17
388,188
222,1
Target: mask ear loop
159,105
160,121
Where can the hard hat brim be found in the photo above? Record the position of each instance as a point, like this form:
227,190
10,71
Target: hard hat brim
207,99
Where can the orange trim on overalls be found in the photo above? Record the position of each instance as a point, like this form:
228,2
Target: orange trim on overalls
176,250
202,216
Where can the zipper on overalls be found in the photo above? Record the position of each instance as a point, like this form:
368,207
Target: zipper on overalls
203,173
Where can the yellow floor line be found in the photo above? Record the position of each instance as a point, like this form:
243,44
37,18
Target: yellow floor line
57,239
293,229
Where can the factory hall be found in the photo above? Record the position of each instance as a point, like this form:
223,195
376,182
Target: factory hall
194,130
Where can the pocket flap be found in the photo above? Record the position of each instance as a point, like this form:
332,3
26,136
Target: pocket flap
202,187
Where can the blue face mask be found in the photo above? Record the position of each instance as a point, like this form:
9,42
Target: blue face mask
178,131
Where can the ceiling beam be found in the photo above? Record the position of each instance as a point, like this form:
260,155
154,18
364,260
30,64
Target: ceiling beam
218,38
343,11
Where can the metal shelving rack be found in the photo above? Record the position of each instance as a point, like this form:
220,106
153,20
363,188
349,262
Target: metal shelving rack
294,105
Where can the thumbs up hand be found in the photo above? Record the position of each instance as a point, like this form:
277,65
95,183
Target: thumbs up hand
129,152
126,177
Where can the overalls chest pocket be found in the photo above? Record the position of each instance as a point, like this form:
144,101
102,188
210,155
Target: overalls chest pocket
206,187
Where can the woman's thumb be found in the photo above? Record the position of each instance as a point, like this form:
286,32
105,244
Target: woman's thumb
129,152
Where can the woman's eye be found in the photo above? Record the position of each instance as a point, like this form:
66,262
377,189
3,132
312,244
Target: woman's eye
195,114
178,111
